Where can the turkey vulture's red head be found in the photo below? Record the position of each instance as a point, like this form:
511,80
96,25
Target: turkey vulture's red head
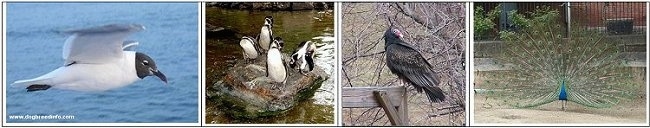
397,33
393,36
393,33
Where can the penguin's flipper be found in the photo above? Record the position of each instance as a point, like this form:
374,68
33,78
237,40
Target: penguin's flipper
310,61
294,59
286,69
267,69
259,45
258,48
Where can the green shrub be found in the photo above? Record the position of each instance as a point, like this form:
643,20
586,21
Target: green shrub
484,22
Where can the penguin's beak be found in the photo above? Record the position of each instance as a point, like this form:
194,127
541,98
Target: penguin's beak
160,75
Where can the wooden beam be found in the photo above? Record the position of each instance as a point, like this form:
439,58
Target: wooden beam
393,100
388,107
362,97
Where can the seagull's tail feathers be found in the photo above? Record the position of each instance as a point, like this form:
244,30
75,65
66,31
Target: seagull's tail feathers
43,80
28,82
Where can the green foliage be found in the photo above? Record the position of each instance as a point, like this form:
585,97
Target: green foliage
539,59
484,22
541,15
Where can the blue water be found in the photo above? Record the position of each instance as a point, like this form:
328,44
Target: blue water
34,44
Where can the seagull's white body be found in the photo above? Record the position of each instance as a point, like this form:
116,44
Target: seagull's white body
94,61
90,77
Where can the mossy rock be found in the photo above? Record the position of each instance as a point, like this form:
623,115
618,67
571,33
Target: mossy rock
246,93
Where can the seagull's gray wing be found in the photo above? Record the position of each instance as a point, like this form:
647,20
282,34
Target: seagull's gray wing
97,44
129,45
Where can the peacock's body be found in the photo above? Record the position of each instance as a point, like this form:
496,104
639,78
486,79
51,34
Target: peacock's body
545,66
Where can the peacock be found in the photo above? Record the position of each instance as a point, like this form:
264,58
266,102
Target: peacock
545,64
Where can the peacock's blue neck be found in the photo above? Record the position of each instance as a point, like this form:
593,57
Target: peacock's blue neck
562,91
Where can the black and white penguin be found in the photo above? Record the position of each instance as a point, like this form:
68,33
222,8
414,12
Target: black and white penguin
276,69
251,51
266,33
302,58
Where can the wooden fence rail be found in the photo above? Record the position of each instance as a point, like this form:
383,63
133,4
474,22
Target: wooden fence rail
393,100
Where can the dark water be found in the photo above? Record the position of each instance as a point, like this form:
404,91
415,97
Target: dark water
294,27
34,46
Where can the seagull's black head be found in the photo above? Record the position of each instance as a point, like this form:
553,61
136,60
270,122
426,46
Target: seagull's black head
145,66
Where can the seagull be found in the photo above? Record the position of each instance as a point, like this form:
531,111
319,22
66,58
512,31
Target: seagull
97,59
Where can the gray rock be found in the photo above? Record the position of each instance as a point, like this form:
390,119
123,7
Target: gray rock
245,92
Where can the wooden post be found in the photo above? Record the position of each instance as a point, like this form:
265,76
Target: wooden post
389,108
392,99
403,107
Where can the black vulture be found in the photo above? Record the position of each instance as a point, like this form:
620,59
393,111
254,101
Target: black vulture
409,65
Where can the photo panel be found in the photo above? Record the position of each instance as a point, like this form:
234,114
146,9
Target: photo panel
325,64
87,64
270,63
560,63
403,64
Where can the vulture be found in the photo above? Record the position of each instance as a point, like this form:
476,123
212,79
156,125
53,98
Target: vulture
409,65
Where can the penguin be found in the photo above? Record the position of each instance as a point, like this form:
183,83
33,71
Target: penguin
266,33
248,44
302,58
276,68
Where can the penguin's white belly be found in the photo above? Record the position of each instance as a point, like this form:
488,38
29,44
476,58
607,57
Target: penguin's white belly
275,66
249,49
265,38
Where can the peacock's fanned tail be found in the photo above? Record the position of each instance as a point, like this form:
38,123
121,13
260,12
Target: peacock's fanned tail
540,62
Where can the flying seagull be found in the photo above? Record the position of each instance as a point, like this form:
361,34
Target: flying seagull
96,60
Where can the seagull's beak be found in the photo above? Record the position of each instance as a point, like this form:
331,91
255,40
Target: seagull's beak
160,75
